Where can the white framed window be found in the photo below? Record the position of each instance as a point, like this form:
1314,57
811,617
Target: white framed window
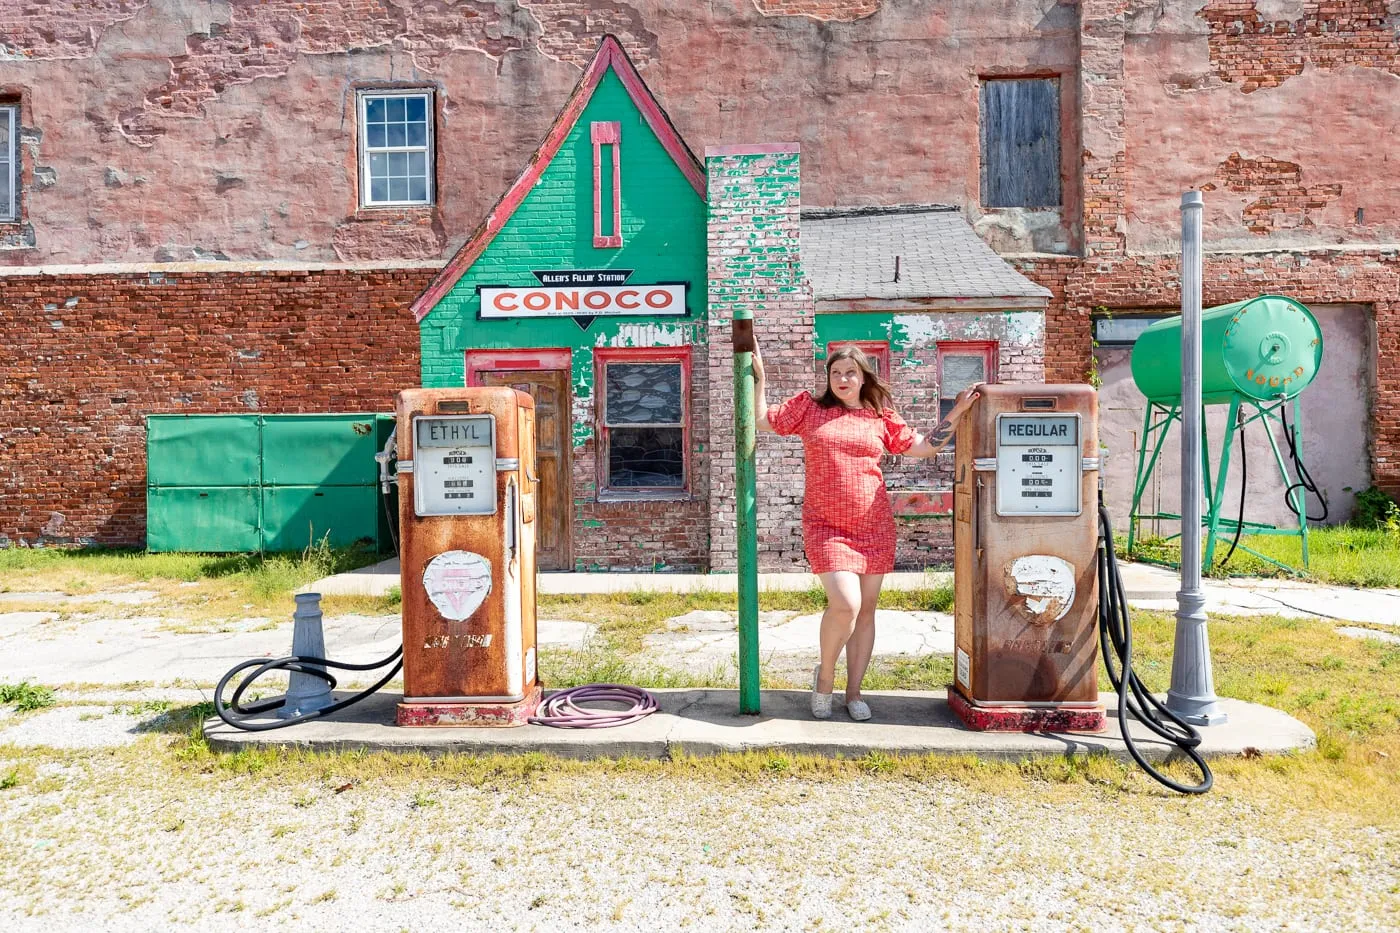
9,162
396,148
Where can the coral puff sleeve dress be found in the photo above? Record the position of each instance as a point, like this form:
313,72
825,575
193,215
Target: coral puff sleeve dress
847,523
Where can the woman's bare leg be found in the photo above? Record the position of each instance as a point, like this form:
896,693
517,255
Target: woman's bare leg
842,604
862,640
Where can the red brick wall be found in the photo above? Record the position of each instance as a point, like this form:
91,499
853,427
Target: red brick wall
754,262
1255,52
1283,200
86,357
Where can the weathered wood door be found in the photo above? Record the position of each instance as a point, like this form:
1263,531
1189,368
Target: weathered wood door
550,390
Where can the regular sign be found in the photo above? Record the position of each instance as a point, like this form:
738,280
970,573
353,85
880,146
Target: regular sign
581,300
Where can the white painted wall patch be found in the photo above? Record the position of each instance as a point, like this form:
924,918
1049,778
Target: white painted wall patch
457,583
1041,586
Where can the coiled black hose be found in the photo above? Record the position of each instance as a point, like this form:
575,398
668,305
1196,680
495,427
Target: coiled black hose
234,712
1116,642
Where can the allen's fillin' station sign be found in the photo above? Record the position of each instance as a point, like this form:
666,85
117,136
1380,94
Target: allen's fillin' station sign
583,294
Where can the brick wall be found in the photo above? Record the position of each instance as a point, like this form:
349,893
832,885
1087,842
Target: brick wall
754,202
1256,50
1283,201
86,357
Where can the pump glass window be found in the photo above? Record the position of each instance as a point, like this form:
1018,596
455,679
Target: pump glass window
9,163
396,148
961,366
644,424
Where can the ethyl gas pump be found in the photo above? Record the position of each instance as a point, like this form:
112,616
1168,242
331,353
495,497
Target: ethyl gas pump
1034,569
467,491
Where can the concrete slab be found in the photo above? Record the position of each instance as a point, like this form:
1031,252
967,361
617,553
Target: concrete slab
1369,633
707,722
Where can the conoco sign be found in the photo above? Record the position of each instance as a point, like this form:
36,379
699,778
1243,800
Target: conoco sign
583,300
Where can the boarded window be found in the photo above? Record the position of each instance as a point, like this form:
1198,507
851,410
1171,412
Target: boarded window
9,163
1020,120
644,422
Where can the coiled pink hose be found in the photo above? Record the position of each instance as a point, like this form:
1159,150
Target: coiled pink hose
562,711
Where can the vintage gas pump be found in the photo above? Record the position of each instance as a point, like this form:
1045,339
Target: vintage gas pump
1025,541
467,490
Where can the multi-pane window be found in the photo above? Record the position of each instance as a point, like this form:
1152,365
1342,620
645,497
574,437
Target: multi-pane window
396,148
9,162
960,366
643,424
1020,129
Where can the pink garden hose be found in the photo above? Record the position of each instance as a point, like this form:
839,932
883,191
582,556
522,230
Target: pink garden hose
562,710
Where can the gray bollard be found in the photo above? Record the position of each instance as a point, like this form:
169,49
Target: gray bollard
306,693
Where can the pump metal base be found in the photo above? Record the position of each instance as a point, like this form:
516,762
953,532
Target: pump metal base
446,713
1043,717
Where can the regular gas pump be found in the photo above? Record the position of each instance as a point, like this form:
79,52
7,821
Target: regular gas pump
1034,570
1025,542
467,491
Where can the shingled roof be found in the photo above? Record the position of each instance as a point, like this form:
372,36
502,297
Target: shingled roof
850,253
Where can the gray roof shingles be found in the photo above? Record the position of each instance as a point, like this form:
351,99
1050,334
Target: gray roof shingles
849,253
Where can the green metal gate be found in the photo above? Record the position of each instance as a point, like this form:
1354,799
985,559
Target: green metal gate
264,482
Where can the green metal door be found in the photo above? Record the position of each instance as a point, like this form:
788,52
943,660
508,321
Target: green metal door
297,516
319,450
209,518
203,450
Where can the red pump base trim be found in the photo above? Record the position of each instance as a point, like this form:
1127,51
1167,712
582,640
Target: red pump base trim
471,714
1026,719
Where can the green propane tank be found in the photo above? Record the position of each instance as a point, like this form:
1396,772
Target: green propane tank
1262,348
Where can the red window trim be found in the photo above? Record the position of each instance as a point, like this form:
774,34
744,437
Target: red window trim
479,361
602,356
607,134
876,349
988,349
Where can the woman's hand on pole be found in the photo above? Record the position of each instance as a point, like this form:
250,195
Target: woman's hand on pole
760,392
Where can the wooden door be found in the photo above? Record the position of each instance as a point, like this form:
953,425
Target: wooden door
553,423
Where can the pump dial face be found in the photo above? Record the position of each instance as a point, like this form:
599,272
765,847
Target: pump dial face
454,464
1038,464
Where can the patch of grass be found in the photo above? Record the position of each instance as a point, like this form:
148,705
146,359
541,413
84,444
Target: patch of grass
26,697
201,585
1339,554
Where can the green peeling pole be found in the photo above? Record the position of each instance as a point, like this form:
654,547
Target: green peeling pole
744,499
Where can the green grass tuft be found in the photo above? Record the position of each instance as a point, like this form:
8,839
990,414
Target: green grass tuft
26,696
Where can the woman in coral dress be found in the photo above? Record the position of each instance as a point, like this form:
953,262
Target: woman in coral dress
847,522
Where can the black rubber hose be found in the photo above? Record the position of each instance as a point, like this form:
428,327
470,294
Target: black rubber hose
1305,480
303,665
1116,642
1244,482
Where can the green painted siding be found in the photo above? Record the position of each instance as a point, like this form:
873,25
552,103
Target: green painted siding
663,230
865,325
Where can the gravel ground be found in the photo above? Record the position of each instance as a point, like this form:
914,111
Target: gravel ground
135,839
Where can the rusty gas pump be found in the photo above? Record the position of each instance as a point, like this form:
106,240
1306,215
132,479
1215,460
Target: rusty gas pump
467,491
1025,551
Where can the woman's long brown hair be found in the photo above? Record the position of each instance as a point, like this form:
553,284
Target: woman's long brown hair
874,391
